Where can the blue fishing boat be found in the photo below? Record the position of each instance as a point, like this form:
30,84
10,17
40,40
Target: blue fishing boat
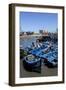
50,62
50,58
32,63
47,52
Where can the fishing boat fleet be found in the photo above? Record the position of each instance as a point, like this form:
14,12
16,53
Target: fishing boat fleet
39,53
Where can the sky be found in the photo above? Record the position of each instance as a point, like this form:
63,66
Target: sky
33,21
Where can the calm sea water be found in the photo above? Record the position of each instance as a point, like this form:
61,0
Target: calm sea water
26,42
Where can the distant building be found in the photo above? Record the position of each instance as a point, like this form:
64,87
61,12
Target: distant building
45,33
41,31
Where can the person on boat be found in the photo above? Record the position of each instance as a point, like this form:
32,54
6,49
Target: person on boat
38,44
33,46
